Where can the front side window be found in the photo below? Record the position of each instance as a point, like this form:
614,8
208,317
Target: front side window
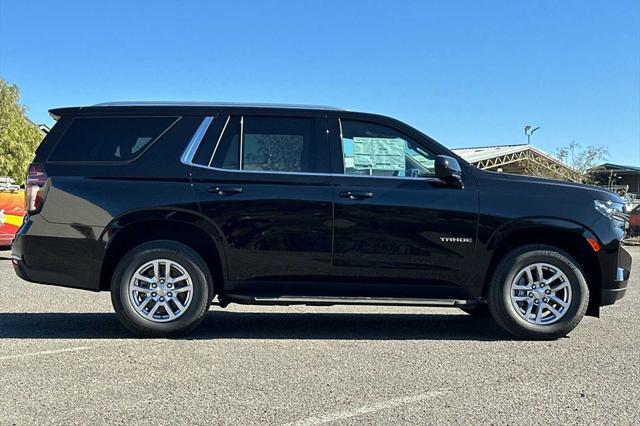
374,150
111,139
271,144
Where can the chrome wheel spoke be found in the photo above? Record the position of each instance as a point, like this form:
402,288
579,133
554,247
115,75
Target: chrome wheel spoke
141,289
178,279
529,275
538,316
143,305
553,310
521,287
169,310
559,287
142,278
156,269
559,301
527,314
153,310
540,274
554,277
182,289
167,270
178,304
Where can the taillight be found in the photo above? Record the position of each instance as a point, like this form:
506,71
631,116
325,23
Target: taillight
34,188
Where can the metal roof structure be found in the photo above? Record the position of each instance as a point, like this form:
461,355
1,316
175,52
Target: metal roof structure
520,156
618,168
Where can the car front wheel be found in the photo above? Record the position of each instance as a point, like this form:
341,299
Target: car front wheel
538,292
160,289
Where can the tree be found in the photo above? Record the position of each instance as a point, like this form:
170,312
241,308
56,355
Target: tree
19,137
582,159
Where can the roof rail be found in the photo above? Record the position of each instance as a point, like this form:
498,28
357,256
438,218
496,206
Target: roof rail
214,104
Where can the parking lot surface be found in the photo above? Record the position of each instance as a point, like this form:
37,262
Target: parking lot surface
65,359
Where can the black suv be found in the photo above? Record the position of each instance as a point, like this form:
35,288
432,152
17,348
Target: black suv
171,205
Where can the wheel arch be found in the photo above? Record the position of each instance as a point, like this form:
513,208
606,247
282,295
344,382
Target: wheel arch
129,231
568,236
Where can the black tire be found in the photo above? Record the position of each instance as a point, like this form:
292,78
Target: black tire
499,297
188,259
479,310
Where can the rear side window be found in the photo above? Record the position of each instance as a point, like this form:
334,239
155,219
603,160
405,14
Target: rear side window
112,139
276,144
265,143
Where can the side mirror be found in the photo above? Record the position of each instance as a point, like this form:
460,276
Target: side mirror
449,171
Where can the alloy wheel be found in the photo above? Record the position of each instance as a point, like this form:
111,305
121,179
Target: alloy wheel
541,294
160,290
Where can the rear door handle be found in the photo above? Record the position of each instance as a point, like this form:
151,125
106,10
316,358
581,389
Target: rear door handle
225,190
356,195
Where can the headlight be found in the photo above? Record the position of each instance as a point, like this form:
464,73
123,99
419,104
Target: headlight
612,210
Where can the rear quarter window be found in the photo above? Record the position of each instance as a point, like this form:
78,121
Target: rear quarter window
109,139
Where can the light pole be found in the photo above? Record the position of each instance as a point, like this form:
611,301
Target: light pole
528,130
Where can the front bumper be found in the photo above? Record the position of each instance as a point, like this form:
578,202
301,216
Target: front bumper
615,289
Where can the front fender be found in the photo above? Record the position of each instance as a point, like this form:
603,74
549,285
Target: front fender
507,229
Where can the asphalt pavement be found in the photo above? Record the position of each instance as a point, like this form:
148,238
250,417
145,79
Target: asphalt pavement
65,359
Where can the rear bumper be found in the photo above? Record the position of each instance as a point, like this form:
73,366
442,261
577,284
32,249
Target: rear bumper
57,258
615,289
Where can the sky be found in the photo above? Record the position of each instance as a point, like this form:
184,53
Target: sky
467,73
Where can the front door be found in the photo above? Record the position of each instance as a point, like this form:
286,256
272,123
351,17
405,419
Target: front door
263,182
398,232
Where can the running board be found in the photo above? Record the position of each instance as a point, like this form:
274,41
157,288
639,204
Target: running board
322,300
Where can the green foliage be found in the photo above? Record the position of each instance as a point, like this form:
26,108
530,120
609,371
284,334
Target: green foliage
19,137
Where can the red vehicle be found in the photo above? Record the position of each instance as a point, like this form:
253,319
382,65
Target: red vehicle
11,210
634,221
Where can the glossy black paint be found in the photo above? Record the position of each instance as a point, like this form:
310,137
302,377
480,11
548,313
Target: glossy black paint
305,234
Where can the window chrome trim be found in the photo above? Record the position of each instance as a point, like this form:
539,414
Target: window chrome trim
270,172
344,166
215,148
194,143
241,142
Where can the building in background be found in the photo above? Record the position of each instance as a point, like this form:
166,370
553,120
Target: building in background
522,159
617,177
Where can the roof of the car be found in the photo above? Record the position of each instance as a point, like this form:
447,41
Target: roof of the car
216,105
175,105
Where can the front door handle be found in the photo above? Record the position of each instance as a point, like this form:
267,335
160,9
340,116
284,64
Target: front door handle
356,195
225,190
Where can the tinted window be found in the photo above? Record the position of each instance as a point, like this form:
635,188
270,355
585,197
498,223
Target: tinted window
108,138
374,150
276,144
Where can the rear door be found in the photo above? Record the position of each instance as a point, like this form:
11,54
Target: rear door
399,232
263,180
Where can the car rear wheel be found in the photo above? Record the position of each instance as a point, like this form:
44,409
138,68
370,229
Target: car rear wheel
538,292
161,288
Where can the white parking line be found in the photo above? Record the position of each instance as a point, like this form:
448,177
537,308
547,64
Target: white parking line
56,351
341,415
